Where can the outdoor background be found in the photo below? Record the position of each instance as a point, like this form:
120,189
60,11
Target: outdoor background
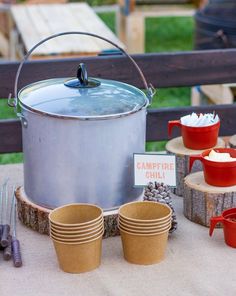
163,34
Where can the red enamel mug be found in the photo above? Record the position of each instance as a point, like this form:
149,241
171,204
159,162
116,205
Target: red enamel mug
196,137
228,219
217,173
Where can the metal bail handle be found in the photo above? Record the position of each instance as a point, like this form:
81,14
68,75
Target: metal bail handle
14,102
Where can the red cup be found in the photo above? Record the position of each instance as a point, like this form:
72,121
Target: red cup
217,173
196,138
228,219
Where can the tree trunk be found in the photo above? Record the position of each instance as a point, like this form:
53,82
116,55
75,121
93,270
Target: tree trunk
203,201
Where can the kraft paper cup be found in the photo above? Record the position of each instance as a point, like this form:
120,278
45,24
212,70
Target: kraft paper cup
145,225
77,237
76,231
145,212
79,257
76,215
145,231
144,249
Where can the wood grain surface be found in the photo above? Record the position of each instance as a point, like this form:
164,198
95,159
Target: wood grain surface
160,69
37,22
203,201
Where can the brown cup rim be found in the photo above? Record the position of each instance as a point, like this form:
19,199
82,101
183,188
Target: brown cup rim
143,234
74,228
143,220
153,228
77,240
76,236
146,222
76,231
75,224
138,224
145,231
77,243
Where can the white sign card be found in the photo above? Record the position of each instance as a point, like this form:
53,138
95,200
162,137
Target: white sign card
154,167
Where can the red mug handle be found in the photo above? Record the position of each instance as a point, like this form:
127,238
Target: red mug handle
171,124
192,158
213,222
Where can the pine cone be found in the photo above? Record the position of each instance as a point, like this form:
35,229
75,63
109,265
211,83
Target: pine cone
161,193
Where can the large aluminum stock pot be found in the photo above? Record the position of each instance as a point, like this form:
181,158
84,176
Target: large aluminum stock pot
79,136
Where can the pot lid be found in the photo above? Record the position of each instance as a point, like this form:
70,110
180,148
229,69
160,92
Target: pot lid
82,97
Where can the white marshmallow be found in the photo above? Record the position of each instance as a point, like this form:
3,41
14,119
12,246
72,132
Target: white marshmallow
201,120
220,157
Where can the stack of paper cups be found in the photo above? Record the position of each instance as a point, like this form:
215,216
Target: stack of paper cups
144,228
76,231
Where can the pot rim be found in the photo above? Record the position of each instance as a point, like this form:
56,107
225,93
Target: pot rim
83,118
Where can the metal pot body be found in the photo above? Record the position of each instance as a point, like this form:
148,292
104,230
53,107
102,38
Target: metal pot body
88,161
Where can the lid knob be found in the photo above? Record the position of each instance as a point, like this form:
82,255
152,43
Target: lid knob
82,74
82,80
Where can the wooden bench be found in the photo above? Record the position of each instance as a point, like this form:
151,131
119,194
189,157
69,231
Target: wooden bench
31,23
162,70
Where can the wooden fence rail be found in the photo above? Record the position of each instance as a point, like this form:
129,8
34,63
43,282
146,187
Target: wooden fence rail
162,70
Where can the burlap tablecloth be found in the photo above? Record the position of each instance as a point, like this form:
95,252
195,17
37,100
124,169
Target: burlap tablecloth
195,264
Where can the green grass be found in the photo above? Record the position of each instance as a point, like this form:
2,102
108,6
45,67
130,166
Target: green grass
109,20
5,111
169,34
11,158
162,35
171,97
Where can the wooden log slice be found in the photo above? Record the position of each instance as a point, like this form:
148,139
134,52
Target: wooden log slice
36,217
30,214
202,201
232,142
176,147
